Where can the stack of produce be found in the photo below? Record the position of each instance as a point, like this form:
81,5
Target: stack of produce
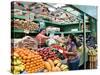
16,64
58,47
59,50
62,45
92,55
52,29
25,25
44,17
31,59
61,17
17,12
63,67
27,42
56,65
46,53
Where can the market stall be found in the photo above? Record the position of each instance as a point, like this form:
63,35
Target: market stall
40,33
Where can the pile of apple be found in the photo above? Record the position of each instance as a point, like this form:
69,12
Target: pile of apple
46,53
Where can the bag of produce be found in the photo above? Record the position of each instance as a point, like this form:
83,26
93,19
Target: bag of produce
51,41
27,42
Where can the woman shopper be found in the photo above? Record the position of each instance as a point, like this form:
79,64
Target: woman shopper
73,56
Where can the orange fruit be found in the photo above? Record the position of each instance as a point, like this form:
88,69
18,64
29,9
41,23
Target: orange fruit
27,64
32,59
25,57
31,65
28,60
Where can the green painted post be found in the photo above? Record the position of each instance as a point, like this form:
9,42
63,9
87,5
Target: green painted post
84,41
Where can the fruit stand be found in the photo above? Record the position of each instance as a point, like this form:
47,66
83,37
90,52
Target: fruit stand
27,20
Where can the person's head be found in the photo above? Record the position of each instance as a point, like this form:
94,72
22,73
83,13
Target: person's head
43,31
71,37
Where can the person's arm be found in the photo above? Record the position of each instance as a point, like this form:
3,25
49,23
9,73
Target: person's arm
45,37
73,53
60,40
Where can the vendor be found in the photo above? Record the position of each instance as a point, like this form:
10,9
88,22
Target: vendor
41,38
73,56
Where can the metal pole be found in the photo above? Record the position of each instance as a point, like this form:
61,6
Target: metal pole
84,41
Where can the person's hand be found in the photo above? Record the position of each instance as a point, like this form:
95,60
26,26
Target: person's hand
68,47
66,40
66,52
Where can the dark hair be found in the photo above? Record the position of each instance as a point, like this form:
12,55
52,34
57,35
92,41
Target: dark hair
73,39
41,30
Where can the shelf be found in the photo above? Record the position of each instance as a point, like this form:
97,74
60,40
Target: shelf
18,17
61,24
22,31
51,22
71,32
23,17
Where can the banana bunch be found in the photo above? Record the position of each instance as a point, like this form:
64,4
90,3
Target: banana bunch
62,67
92,52
16,65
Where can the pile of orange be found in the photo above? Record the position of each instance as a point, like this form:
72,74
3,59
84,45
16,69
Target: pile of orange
31,59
